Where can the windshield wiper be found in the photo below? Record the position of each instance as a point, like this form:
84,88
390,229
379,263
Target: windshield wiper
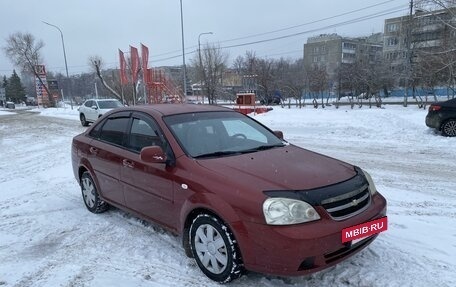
263,147
217,153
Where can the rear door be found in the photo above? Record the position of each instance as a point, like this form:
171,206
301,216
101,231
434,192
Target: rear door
105,155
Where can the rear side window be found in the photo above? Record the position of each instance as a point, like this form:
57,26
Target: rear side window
113,131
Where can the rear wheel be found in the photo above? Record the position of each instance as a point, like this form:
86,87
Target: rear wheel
84,122
90,195
449,128
215,249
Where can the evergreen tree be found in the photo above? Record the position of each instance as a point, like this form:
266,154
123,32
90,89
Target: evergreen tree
14,89
5,82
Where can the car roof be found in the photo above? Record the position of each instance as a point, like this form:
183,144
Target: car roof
102,100
172,109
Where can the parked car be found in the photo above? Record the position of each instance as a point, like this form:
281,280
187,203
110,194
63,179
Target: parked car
10,105
442,117
239,195
92,109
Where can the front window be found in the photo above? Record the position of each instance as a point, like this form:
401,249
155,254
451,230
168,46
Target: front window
143,133
109,104
213,134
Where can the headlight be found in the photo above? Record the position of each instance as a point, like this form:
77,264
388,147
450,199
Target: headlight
372,188
285,211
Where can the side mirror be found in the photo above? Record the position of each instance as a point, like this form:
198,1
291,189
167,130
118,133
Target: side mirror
153,154
279,134
95,107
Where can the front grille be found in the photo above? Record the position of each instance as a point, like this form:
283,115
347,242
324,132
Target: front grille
349,204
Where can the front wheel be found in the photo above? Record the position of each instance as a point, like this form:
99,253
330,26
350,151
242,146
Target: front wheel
215,249
449,128
90,195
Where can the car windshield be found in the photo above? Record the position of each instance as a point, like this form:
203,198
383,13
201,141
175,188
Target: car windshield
109,104
215,134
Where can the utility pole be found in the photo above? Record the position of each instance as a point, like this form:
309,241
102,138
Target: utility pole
408,64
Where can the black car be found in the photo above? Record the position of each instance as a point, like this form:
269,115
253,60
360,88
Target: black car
442,116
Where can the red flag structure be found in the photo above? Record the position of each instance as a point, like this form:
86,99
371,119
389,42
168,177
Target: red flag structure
145,60
134,63
123,69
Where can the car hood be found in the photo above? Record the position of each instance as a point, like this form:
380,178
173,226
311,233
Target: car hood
104,110
285,168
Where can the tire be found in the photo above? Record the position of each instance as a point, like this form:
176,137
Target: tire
215,249
449,128
90,195
84,122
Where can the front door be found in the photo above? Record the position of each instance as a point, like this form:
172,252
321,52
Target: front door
148,188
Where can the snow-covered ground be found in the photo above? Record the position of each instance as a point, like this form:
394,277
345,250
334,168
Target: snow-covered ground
48,238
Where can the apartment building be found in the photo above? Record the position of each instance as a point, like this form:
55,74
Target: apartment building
332,51
430,31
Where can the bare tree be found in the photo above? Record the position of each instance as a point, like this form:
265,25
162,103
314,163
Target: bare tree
24,52
239,65
96,63
318,82
209,70
295,80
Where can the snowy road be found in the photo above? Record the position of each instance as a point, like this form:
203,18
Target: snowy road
48,238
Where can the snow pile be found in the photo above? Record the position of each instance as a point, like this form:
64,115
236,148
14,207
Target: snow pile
48,238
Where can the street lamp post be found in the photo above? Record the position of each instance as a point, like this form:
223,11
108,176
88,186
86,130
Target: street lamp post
183,52
201,61
64,52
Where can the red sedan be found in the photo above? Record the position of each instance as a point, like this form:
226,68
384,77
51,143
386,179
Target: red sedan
241,197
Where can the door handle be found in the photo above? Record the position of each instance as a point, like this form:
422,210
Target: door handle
93,150
127,163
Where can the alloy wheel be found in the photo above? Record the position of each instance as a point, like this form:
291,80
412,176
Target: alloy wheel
449,128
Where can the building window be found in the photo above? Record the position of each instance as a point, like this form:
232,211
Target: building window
392,27
316,50
392,41
349,46
348,56
315,59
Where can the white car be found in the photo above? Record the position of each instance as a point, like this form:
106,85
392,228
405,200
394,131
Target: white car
92,109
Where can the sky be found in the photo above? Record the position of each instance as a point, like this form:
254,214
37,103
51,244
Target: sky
100,28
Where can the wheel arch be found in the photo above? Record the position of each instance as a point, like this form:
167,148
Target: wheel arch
188,222
227,218
85,166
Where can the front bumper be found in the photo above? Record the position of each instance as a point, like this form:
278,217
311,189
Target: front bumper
305,248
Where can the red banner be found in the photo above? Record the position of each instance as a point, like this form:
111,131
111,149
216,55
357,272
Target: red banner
123,69
365,229
145,60
134,63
